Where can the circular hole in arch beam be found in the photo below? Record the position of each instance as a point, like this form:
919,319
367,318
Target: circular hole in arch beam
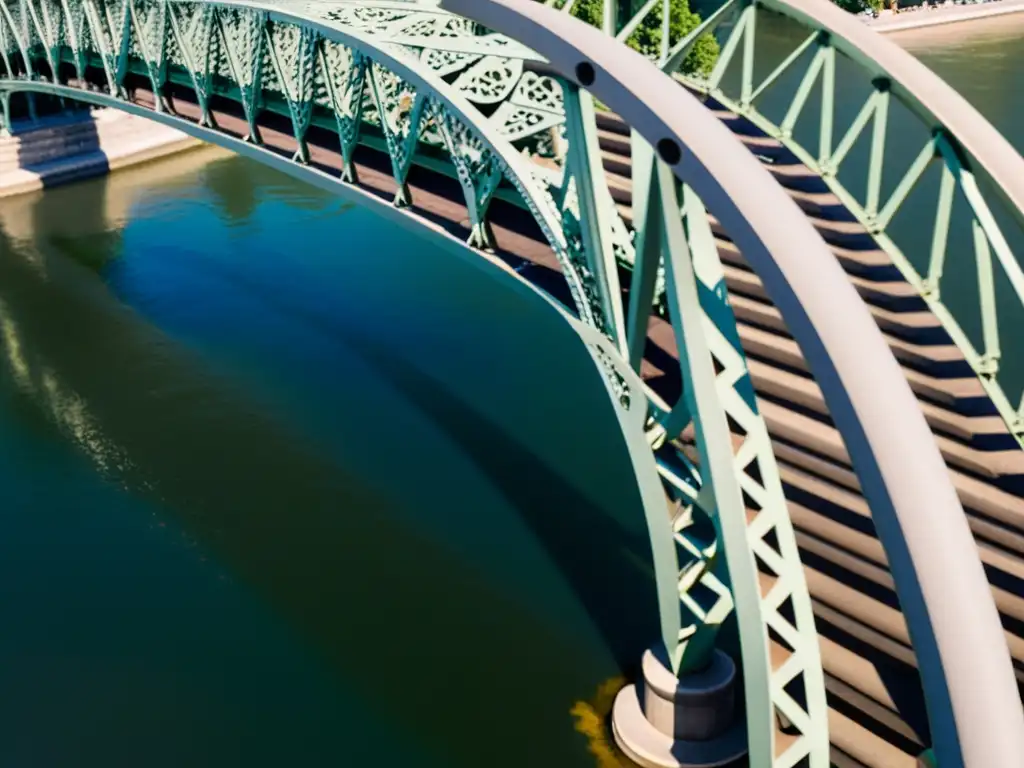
585,74
669,151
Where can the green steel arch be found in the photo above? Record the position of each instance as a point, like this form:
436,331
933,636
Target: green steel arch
435,89
950,136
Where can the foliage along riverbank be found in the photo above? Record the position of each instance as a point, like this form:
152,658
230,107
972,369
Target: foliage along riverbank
647,37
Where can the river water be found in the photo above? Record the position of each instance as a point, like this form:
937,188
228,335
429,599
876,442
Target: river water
983,60
286,485
280,487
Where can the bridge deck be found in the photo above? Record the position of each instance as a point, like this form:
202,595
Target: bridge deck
876,710
877,716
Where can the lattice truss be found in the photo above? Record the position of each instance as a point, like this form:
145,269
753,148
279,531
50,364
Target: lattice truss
796,682
426,81
715,457
816,130
399,67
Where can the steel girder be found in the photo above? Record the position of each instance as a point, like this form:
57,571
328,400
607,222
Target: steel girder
981,224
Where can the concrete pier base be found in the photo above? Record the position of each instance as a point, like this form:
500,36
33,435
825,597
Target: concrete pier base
689,722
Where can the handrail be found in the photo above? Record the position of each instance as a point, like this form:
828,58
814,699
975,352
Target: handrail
973,703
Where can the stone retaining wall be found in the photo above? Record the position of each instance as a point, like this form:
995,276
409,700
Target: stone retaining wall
65,148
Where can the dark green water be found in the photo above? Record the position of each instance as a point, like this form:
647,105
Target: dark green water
984,61
285,485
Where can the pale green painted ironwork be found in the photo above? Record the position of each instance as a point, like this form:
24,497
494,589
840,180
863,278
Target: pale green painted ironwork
766,579
739,86
428,87
815,56
898,464
595,208
767,586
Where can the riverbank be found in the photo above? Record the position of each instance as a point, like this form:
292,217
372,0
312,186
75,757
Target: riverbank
64,149
928,16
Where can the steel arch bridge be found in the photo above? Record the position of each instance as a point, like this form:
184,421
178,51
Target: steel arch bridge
498,96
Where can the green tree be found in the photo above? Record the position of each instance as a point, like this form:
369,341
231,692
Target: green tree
858,6
647,37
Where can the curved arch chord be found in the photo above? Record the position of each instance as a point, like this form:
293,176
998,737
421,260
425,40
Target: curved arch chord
625,387
919,517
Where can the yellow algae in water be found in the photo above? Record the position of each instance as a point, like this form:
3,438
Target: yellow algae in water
591,719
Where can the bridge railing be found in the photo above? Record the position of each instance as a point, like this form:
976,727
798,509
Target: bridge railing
939,190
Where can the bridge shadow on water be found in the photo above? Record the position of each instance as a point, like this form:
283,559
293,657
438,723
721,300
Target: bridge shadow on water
606,562
480,673
588,545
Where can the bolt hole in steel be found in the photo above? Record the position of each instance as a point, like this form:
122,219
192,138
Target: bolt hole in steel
585,74
669,152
